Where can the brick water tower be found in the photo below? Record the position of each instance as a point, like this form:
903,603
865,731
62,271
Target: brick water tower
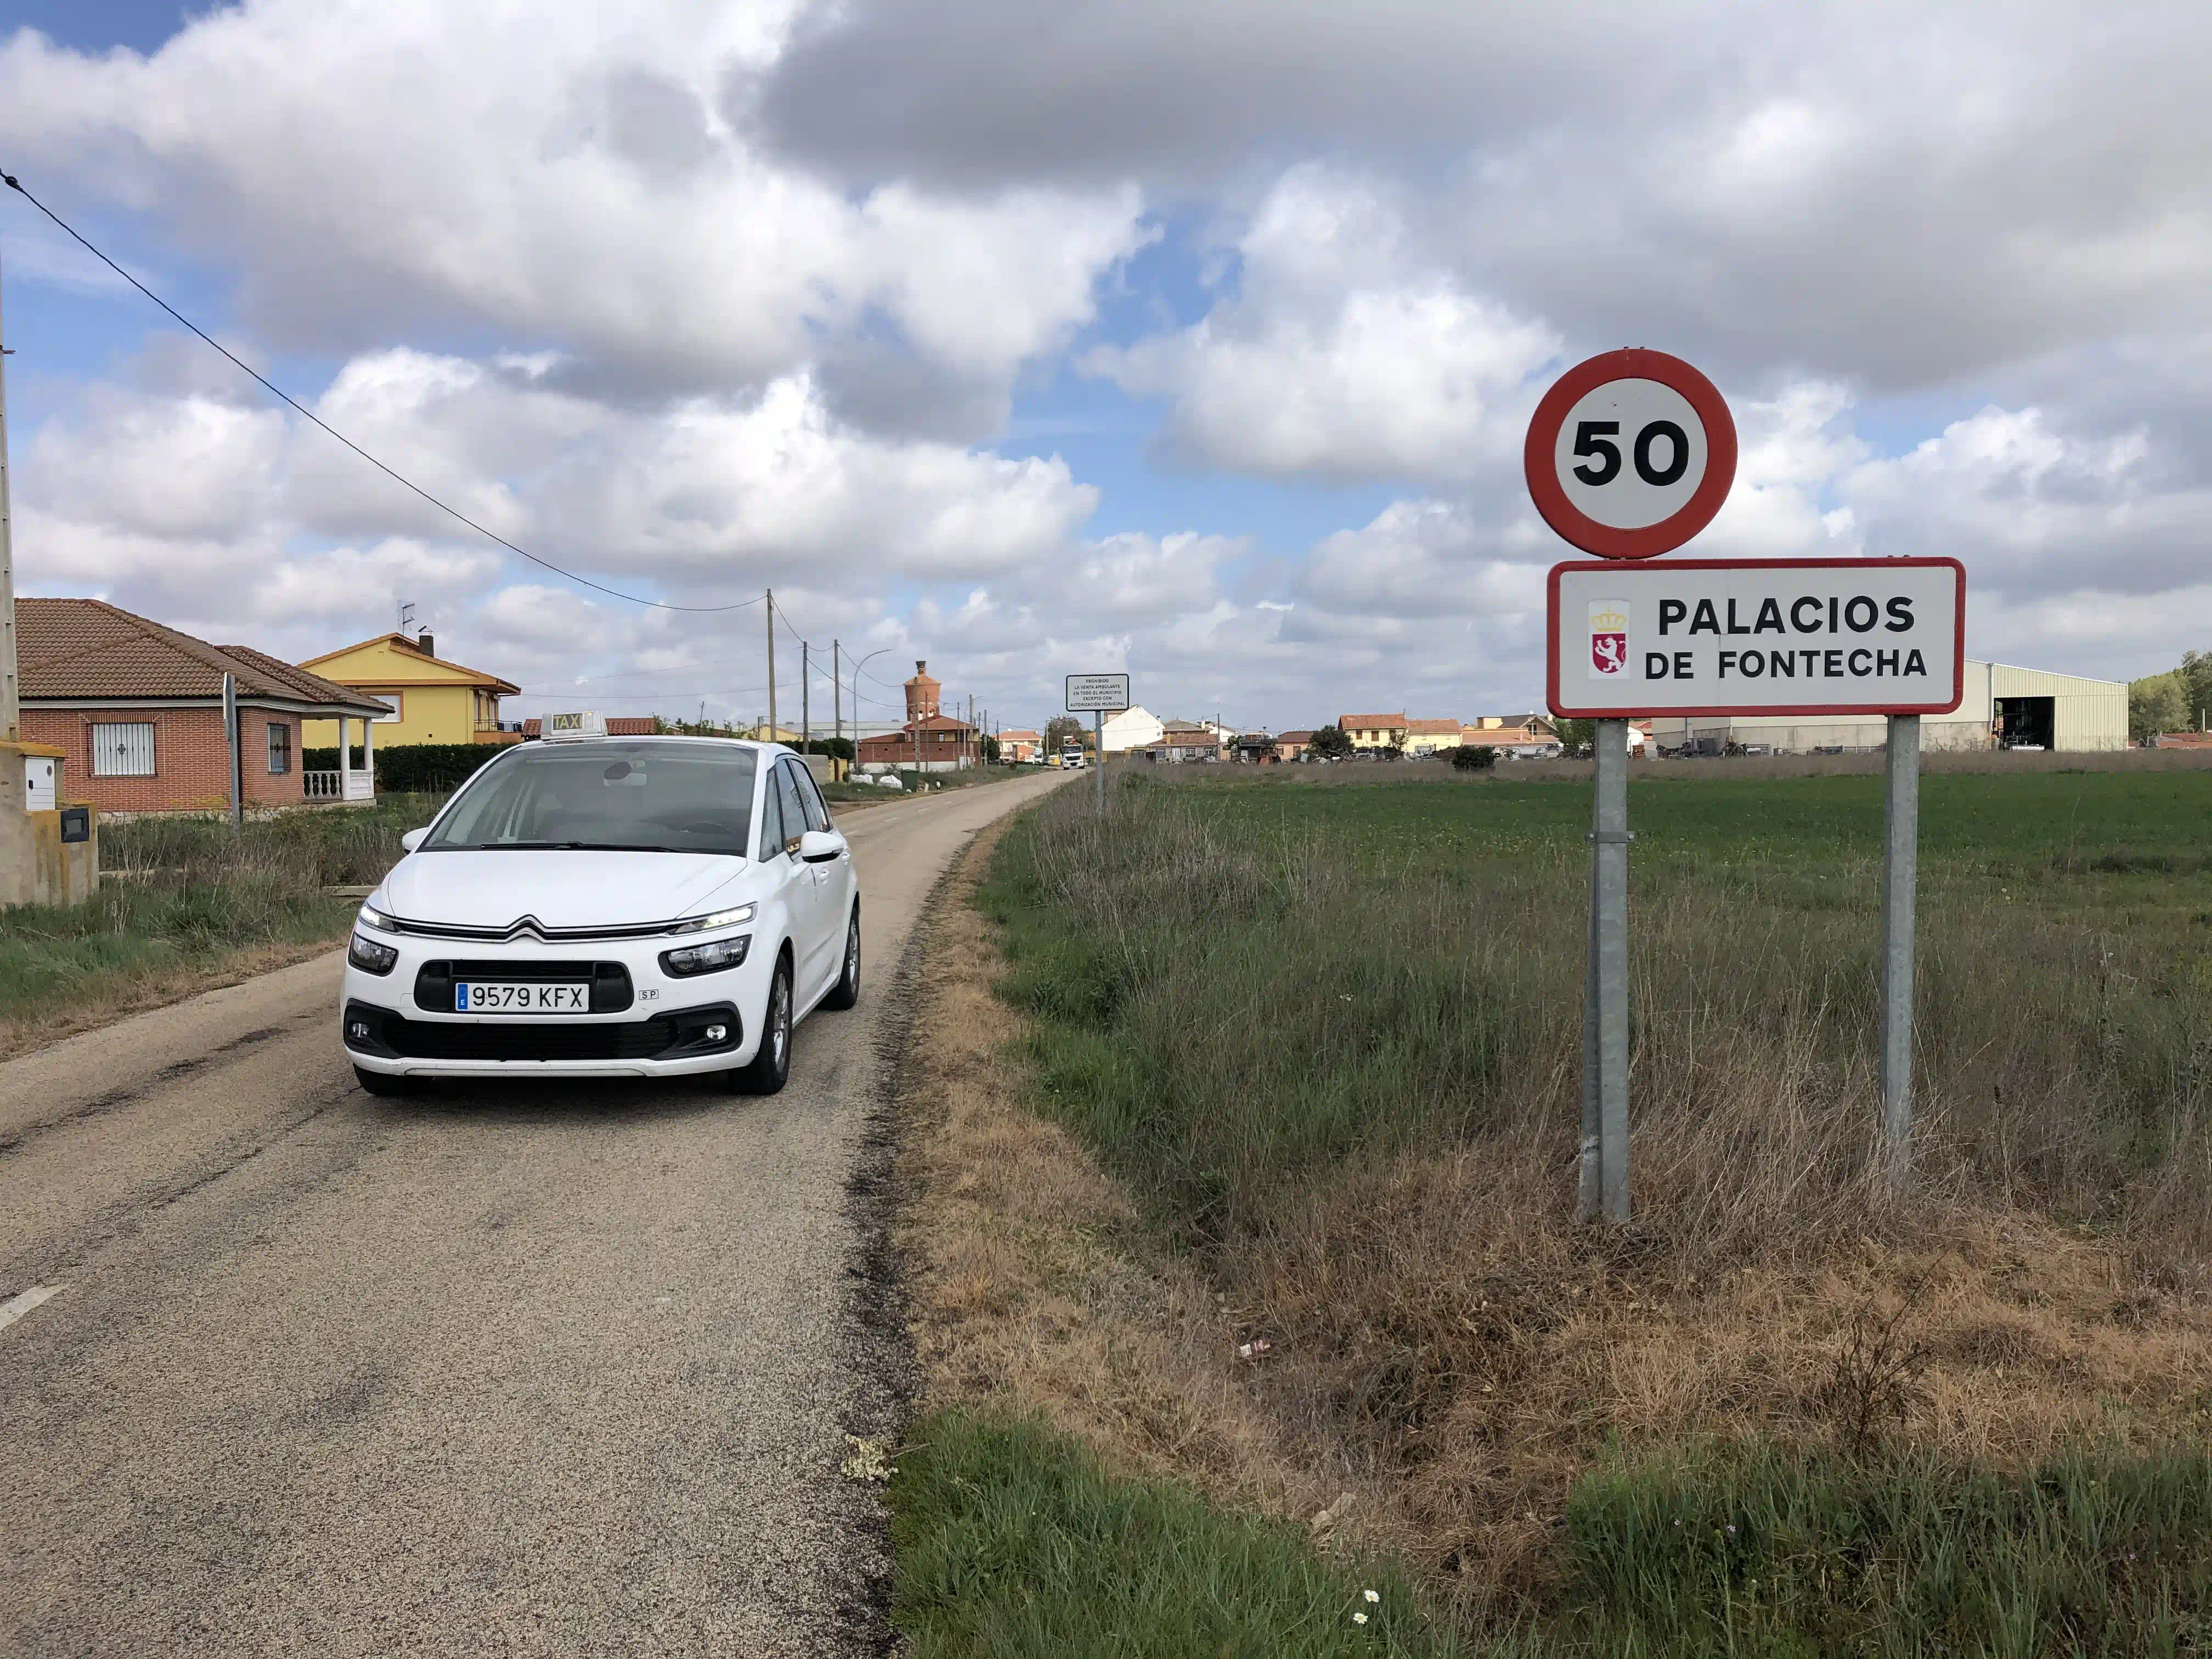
921,695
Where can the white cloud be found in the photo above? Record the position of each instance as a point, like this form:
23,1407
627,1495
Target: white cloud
1341,356
548,173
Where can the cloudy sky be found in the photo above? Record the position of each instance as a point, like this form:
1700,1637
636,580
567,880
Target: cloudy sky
1192,337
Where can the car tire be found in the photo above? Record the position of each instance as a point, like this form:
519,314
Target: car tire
770,1068
383,1085
847,991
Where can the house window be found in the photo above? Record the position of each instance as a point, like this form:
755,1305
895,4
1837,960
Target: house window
280,748
124,750
398,707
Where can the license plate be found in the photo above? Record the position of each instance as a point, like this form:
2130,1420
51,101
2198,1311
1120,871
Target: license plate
476,997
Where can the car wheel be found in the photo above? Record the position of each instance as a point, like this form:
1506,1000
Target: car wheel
847,991
383,1085
770,1069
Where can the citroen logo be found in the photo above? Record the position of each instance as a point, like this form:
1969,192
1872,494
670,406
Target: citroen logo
530,925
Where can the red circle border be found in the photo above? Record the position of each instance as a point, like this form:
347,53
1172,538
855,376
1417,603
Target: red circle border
1577,528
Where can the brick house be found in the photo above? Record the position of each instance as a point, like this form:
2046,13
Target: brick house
137,710
1020,748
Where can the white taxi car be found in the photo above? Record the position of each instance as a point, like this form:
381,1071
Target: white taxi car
587,906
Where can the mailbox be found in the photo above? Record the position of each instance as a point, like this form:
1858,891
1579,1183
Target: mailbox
76,823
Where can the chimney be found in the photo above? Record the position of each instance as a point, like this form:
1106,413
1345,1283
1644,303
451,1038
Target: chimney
425,644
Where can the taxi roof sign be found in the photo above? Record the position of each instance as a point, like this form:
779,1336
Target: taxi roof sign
585,724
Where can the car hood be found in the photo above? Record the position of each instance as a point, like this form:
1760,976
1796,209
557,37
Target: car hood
493,888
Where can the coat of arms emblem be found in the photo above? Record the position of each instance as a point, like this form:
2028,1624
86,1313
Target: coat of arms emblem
1608,626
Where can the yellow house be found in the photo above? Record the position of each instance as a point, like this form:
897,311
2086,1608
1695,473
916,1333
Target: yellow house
432,701
1373,731
1431,737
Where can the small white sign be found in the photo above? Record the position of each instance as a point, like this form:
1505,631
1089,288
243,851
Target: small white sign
40,776
1100,693
1757,636
585,724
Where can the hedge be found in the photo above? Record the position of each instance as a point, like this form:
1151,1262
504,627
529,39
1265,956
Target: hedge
413,768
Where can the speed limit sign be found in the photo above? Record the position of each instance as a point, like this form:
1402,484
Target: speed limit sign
1630,454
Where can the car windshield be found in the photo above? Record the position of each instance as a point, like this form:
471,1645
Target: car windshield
616,797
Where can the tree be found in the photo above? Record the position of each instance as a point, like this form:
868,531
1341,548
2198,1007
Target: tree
1329,743
1578,737
1061,730
2195,676
2156,704
990,749
1475,757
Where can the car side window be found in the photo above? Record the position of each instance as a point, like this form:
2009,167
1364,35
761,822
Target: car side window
794,811
771,835
817,809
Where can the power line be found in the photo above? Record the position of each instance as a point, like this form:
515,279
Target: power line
278,391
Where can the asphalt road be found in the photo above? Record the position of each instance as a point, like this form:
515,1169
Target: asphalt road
560,1370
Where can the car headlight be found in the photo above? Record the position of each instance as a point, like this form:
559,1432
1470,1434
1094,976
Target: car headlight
372,917
710,958
736,918
370,956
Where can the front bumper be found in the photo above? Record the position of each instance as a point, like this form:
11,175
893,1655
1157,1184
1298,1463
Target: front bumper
643,1022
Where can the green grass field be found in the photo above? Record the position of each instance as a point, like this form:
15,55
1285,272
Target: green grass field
1270,1007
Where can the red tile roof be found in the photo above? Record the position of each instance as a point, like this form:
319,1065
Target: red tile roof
90,649
1354,722
1432,728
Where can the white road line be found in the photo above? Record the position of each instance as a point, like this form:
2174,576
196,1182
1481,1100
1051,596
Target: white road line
16,1306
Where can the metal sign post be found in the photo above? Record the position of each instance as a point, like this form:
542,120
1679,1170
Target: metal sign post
1900,863
1099,695
1628,456
1609,928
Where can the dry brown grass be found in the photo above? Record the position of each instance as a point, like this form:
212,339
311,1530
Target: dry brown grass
1032,1282
155,987
1452,1352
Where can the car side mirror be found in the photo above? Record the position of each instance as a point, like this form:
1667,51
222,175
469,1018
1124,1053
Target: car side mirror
413,839
820,846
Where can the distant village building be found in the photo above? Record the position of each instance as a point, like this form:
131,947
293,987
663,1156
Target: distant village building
2003,708
1373,732
1511,733
1184,740
1430,737
1131,729
1021,748
930,741
1293,745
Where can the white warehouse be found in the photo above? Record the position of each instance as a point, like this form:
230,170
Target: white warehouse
2005,706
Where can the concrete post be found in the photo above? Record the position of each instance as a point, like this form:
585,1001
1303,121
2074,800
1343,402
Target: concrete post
230,741
1900,862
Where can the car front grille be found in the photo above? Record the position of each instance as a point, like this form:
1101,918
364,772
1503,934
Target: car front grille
675,1035
610,980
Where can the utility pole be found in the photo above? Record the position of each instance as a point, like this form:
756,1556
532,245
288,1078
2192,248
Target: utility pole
805,718
771,665
11,702
837,691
